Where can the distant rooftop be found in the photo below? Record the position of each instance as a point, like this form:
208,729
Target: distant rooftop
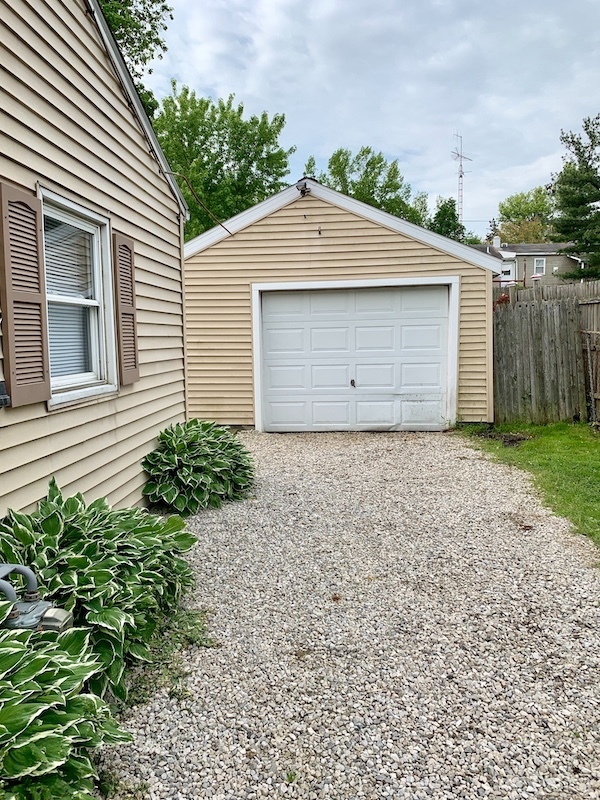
510,250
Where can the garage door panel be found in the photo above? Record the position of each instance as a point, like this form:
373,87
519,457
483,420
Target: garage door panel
375,412
421,337
286,377
331,412
284,340
414,376
329,304
356,359
330,376
330,340
421,411
375,376
284,305
374,337
379,301
288,413
424,301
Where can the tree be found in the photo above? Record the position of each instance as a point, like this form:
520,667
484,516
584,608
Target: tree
231,162
445,220
370,178
526,217
138,27
577,194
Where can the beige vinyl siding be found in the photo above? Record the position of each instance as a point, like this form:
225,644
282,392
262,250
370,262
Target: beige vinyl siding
65,124
311,240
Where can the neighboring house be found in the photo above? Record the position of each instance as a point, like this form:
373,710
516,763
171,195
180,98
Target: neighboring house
527,263
313,311
91,295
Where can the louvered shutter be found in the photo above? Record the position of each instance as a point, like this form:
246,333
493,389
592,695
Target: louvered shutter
124,267
23,298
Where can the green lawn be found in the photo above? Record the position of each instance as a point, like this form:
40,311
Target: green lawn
564,460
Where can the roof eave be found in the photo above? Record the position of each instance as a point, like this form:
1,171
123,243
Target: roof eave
287,196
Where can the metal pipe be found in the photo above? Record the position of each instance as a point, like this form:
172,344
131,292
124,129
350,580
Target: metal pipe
29,576
9,590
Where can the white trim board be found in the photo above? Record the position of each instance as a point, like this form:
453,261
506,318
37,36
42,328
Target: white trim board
451,281
292,193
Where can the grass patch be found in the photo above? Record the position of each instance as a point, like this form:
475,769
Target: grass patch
166,668
109,785
564,460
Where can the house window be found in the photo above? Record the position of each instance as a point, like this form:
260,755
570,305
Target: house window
539,266
79,296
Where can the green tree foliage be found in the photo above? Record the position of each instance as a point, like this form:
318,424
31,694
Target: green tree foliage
231,162
577,194
445,220
526,217
138,26
370,178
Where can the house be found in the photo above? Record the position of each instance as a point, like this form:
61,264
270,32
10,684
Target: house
527,263
91,294
312,311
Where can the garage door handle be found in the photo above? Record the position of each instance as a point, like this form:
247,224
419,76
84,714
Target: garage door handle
353,383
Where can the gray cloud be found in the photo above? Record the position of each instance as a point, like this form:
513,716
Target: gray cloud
403,77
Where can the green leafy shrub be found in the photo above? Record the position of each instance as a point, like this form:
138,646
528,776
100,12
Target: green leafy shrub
118,571
196,465
47,726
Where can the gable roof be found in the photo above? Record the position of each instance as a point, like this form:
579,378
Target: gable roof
124,76
309,186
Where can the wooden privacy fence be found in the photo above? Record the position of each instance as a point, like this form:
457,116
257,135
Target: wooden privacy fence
539,368
586,290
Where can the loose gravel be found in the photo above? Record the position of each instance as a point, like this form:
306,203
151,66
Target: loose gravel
399,617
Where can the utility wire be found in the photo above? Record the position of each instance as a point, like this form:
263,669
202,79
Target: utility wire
204,206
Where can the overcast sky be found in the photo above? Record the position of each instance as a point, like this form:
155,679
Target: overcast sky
403,76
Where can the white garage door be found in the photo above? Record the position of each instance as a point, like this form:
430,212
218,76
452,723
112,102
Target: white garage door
359,359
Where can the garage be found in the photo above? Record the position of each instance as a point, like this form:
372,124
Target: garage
312,311
355,359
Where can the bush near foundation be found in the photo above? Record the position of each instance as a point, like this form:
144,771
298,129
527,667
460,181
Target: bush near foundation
48,725
196,465
118,571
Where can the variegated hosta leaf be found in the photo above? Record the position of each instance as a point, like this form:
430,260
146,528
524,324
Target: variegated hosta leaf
112,618
16,716
12,654
37,758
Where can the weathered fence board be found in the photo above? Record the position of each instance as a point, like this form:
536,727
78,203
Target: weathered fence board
591,353
539,368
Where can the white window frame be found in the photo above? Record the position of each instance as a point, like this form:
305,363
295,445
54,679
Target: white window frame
539,265
103,379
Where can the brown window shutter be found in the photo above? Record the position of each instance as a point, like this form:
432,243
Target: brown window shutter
23,298
124,267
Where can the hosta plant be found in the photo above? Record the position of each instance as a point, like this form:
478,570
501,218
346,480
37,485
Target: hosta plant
118,571
197,464
48,727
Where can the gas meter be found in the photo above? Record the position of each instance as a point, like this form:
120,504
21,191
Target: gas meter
31,612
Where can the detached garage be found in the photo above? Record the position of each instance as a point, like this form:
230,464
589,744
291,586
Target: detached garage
314,312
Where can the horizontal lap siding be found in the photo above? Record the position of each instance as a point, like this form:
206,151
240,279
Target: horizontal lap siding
65,123
287,246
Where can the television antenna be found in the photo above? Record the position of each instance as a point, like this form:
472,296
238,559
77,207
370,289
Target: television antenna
458,155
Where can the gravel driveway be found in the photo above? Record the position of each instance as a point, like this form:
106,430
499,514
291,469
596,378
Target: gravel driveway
399,618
